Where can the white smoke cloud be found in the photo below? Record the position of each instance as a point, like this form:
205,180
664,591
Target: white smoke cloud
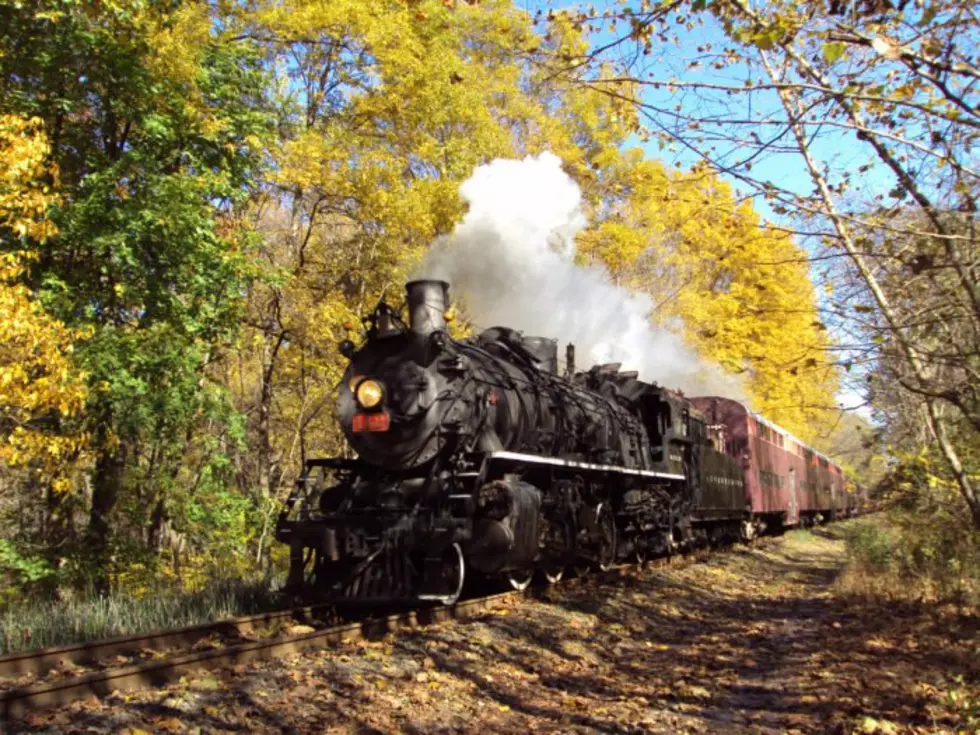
512,261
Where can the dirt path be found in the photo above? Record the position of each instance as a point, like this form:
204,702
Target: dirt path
750,641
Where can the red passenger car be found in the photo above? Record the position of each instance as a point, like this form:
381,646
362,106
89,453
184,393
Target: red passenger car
787,483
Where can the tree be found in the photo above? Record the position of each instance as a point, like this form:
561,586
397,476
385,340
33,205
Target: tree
238,183
384,108
154,150
383,113
923,298
41,391
782,84
742,294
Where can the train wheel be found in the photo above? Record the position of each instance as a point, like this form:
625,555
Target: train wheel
606,525
556,549
553,574
597,541
582,562
454,574
520,580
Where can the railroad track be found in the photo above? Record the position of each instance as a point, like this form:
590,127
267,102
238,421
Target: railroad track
154,673
58,692
42,660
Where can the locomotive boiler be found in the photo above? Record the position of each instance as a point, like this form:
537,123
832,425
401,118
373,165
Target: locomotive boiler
477,457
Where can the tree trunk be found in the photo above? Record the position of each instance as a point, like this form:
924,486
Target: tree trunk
157,520
106,489
55,529
268,475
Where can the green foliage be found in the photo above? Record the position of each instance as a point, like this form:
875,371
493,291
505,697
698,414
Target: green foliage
873,546
157,125
922,545
143,254
19,570
833,51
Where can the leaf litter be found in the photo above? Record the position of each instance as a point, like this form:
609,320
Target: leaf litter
748,641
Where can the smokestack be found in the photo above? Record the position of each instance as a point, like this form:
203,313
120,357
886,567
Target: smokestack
570,360
427,304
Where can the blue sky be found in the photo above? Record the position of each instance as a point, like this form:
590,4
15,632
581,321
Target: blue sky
841,151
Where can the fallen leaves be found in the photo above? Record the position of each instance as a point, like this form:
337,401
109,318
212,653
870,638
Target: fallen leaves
716,646
871,726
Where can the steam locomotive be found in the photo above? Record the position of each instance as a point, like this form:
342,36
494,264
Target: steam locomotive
476,457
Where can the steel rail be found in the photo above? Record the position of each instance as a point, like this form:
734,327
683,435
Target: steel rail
40,660
16,702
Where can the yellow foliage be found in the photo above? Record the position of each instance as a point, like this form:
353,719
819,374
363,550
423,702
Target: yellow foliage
430,92
399,103
740,291
26,182
177,41
39,387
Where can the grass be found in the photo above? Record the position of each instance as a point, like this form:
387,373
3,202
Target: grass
802,535
898,555
38,624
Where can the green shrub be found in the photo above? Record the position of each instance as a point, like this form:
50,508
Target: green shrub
19,571
923,544
873,545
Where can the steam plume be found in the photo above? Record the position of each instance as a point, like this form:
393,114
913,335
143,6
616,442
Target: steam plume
512,261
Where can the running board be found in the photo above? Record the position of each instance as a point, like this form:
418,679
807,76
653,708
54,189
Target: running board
571,464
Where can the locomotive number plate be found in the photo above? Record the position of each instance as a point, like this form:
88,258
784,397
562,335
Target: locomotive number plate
370,422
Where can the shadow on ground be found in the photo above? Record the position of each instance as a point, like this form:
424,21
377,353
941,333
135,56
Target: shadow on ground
749,641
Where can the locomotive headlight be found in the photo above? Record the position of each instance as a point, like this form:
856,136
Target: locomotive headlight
369,393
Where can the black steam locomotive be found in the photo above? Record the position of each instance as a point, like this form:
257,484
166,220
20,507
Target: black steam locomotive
475,457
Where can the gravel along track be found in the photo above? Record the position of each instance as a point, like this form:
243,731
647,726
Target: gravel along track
32,680
56,676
